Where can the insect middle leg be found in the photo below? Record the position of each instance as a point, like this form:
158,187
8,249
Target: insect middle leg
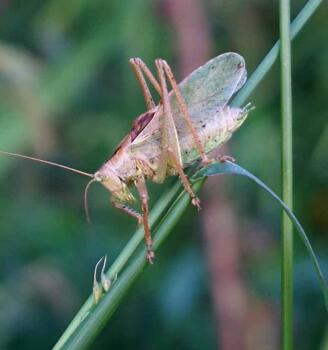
167,127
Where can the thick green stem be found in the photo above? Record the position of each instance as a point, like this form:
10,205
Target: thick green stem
287,176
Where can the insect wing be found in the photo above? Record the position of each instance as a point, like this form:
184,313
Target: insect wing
205,91
147,143
209,88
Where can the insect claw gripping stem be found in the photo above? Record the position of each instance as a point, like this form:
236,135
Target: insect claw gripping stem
196,202
150,255
223,159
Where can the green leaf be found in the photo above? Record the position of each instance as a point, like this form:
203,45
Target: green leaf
232,168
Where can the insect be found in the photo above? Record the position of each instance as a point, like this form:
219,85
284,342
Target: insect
188,122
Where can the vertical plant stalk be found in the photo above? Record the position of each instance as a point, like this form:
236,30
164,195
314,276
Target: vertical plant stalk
287,176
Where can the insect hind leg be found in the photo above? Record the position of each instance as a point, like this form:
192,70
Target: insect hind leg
184,110
166,121
141,70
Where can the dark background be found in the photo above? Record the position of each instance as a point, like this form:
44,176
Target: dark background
67,94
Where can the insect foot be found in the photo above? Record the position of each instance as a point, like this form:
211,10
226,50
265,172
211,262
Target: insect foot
196,202
150,255
223,159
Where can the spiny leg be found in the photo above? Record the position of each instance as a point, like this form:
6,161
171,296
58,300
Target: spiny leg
184,110
167,114
140,68
143,194
169,135
127,210
170,142
184,179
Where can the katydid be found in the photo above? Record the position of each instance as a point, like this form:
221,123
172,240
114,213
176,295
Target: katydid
188,122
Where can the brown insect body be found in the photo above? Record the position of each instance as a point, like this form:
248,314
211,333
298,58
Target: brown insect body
127,164
189,122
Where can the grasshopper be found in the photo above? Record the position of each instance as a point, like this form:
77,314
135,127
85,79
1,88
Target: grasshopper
188,122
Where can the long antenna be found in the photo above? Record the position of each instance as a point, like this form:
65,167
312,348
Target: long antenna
47,162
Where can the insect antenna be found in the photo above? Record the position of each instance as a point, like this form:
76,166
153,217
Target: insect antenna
86,207
47,162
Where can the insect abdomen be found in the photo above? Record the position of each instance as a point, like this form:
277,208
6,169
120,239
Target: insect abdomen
212,133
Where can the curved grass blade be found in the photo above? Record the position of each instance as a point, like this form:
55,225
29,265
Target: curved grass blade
235,169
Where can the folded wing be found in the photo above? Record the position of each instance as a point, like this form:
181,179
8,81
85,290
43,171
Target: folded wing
205,91
209,88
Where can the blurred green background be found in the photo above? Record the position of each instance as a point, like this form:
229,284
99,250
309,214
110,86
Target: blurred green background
67,94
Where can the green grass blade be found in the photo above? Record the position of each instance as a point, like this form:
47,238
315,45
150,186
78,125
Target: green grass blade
233,168
287,176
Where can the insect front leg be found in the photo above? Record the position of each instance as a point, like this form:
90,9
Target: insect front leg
140,68
127,210
184,110
143,194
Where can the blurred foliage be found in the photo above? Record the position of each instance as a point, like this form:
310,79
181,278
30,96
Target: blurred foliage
68,94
